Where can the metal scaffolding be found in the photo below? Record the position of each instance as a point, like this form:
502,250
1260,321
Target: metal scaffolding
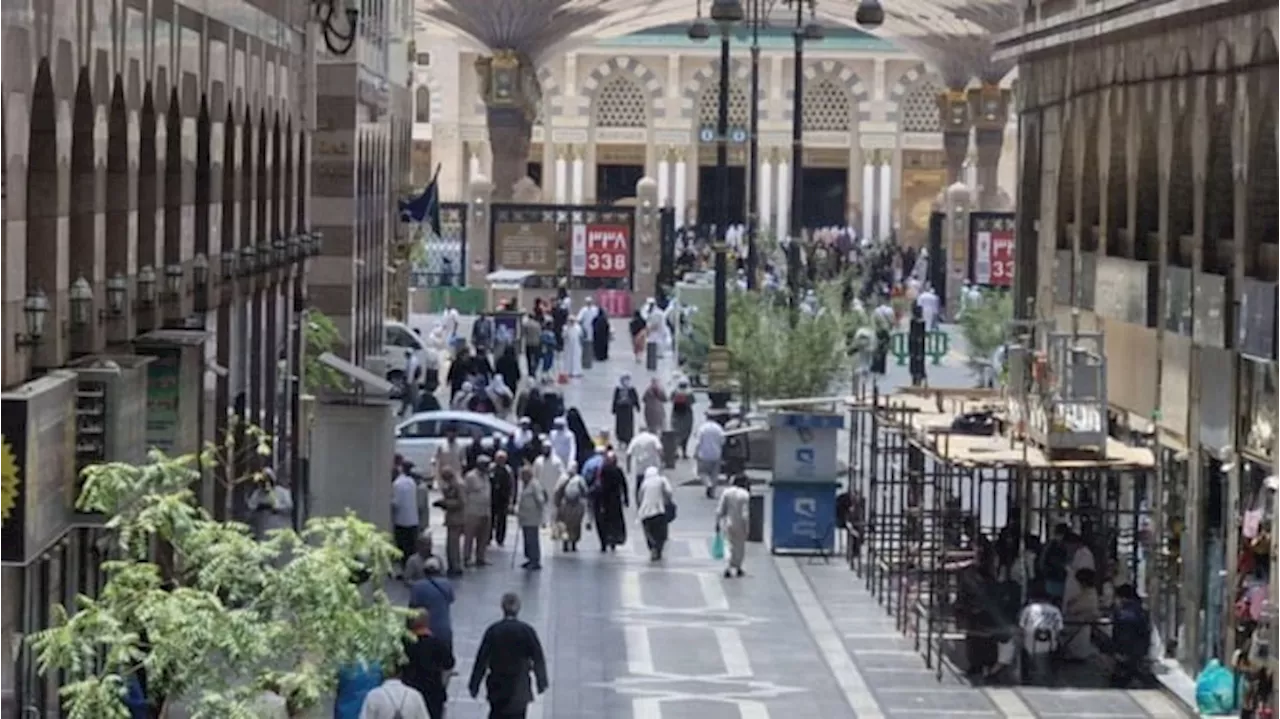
934,494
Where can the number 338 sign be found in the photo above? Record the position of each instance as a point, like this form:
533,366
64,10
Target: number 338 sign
602,251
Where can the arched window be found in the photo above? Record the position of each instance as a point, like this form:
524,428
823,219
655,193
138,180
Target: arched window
621,103
422,104
826,107
709,105
918,111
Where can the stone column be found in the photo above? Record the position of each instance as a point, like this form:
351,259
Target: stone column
644,275
681,187
784,195
579,174
511,94
886,195
954,111
767,190
664,177
474,167
479,198
989,107
562,176
868,194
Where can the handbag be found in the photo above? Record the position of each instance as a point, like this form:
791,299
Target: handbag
670,511
717,546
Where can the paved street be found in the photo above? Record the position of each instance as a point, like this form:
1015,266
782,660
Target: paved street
794,639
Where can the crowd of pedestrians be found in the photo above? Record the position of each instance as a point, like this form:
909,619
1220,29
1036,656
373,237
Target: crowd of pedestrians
555,478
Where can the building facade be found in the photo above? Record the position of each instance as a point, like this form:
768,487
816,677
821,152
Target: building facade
156,197
360,154
643,105
1147,212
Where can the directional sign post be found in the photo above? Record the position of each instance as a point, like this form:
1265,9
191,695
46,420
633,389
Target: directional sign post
805,477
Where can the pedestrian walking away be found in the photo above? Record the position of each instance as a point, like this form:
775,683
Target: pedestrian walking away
509,652
644,452
435,594
653,503
429,662
682,402
733,519
394,699
530,508
404,511
451,501
709,452
610,495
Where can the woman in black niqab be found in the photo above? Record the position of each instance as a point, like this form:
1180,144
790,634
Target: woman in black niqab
600,335
581,436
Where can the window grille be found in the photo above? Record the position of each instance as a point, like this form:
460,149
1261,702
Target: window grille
827,107
621,103
919,108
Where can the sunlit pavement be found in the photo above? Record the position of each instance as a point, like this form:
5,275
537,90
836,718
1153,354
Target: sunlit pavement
795,638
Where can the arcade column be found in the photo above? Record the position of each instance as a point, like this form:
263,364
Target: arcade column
954,110
511,93
644,276
479,240
989,108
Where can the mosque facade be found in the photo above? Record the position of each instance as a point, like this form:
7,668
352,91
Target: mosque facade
645,104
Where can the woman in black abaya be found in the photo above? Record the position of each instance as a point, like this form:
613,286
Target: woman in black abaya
611,495
600,335
584,445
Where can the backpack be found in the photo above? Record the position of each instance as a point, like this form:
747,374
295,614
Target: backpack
573,490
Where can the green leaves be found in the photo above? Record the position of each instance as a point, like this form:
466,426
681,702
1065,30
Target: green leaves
985,327
320,335
776,355
214,615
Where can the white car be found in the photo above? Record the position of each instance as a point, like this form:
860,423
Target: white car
418,437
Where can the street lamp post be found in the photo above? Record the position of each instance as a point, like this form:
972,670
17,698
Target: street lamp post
753,149
724,13
802,32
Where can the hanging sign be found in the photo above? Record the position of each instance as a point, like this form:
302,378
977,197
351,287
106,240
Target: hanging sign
993,248
606,251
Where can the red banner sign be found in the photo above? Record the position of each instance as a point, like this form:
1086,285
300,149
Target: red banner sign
608,251
993,258
615,302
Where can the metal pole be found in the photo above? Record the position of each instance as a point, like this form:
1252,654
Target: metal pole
753,151
797,154
720,326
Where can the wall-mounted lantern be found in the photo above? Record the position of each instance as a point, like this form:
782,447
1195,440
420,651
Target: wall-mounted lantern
81,296
34,310
117,294
173,276
229,260
200,270
248,260
147,286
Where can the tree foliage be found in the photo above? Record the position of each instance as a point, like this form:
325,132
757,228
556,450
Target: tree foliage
320,335
985,327
780,354
224,615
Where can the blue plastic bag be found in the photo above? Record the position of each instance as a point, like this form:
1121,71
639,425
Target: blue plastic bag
717,546
1216,689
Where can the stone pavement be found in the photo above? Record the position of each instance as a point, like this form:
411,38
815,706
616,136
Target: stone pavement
674,640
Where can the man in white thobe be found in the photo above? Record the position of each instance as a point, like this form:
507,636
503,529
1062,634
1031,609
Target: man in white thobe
547,470
644,451
587,318
708,453
573,341
563,444
733,519
930,307
655,325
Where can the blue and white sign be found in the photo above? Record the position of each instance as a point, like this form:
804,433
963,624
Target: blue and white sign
738,135
804,447
804,517
707,134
